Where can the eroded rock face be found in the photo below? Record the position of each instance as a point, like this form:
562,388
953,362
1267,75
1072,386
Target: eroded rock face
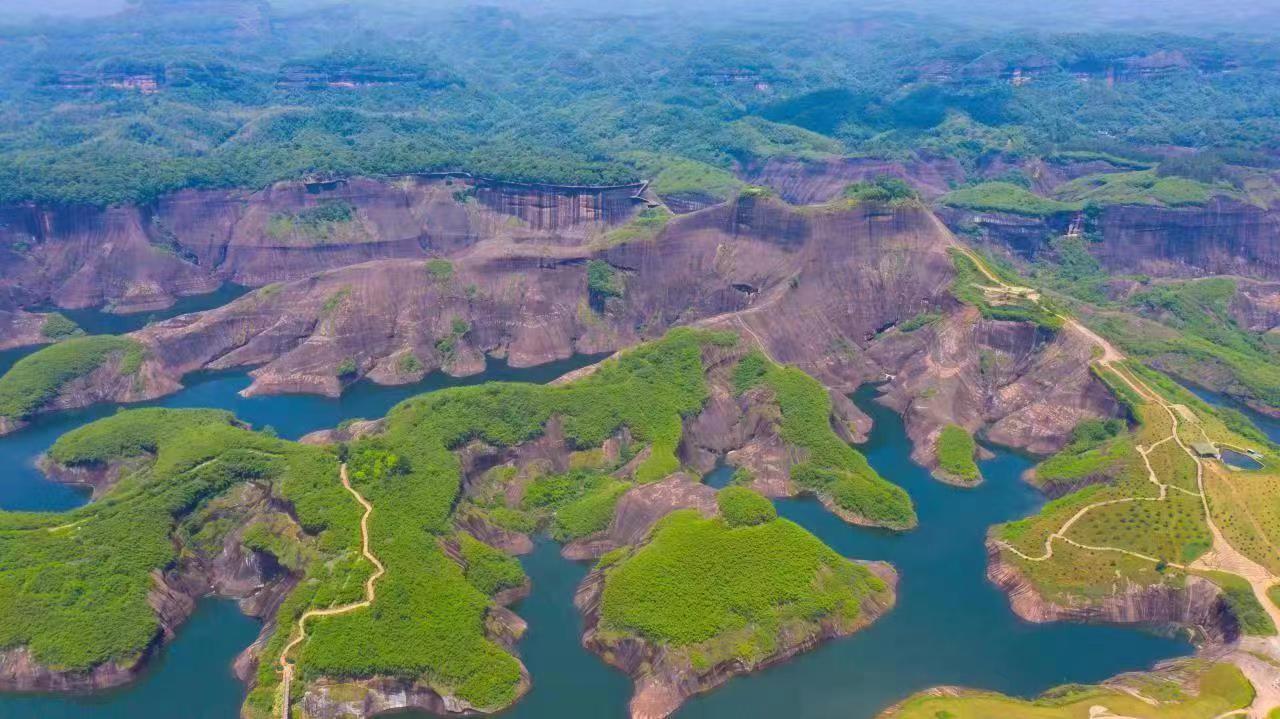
1224,237
139,258
805,183
1023,386
815,286
19,329
1198,605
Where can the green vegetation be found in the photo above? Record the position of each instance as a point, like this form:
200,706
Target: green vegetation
1005,197
1189,690
78,614
602,280
1096,445
742,507
413,627
924,319
644,226
488,569
969,286
683,178
832,469
346,368
750,371
885,188
193,104
956,450
56,327
700,580
440,270
36,379
1187,328
1253,618
335,301
1137,188
323,223
580,502
409,364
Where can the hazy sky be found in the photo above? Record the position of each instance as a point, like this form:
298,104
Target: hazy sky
1253,17
60,7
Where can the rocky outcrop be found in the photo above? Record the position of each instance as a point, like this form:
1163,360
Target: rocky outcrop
817,287
808,283
1019,385
325,699
1197,605
142,257
1223,237
806,183
19,328
665,678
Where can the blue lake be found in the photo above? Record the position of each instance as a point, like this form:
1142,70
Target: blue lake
950,625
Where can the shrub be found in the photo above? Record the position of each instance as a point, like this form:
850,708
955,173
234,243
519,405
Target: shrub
346,367
56,326
440,270
884,188
956,449
603,280
486,568
409,364
742,507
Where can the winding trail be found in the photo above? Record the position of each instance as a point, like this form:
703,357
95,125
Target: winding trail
370,594
1222,556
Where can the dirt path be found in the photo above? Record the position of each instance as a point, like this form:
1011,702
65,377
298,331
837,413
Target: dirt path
370,593
770,297
1223,556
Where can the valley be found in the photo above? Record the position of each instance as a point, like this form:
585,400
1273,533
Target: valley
682,360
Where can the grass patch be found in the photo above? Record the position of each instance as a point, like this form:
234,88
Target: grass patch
36,379
1144,187
742,507
1218,689
1006,197
440,270
326,222
956,450
698,579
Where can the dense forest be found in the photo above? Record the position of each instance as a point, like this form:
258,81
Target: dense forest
168,94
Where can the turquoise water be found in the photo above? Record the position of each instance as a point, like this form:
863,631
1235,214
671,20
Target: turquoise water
950,625
25,488
96,321
1270,426
191,678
